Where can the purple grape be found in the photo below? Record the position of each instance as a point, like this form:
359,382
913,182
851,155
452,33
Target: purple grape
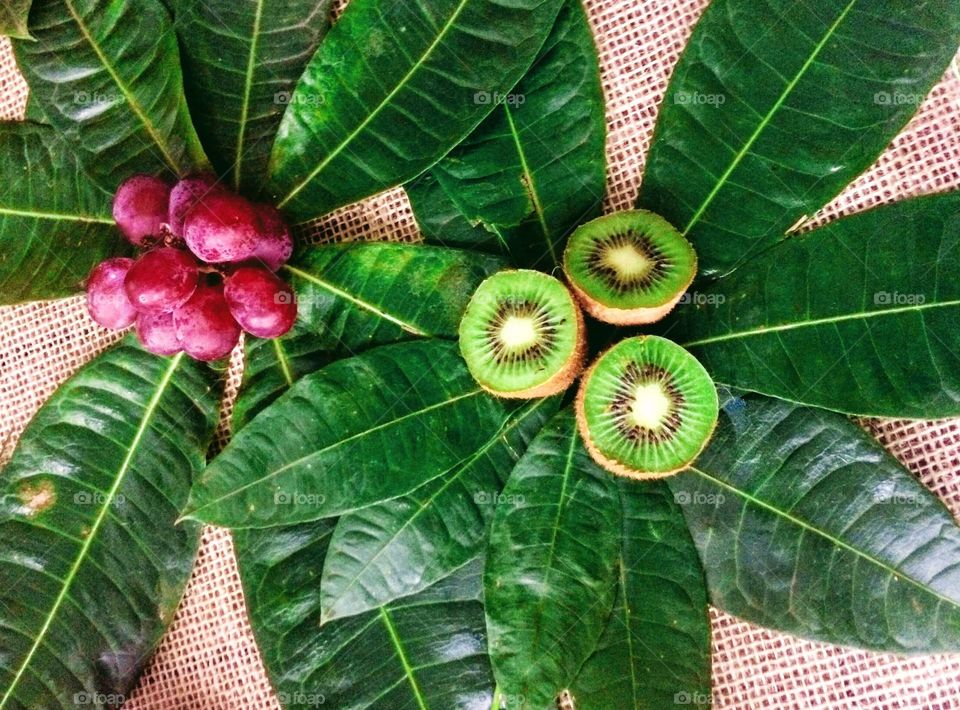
161,280
204,326
262,304
106,298
184,197
275,244
222,227
140,208
157,334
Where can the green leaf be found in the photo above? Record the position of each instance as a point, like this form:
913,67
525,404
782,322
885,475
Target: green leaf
536,167
655,650
360,295
13,18
401,84
54,225
806,525
859,316
241,63
359,431
776,106
93,565
272,366
550,576
441,221
426,651
402,546
112,88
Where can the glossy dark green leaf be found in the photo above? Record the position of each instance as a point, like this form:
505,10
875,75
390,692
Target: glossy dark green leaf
536,167
272,366
13,18
655,650
400,84
426,652
806,525
860,316
242,59
441,222
551,567
93,566
359,295
54,225
112,87
402,546
777,105
357,432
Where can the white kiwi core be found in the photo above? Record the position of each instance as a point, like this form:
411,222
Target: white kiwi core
518,333
650,407
628,261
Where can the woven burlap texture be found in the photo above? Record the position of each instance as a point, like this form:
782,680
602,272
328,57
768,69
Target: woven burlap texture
208,659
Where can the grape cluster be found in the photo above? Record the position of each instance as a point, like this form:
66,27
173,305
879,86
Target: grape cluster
205,273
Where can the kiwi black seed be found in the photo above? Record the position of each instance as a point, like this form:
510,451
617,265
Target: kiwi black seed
522,335
646,408
629,268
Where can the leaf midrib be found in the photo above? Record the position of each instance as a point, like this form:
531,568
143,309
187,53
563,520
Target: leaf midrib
896,574
124,468
744,151
530,185
247,88
54,216
366,305
359,435
402,655
134,105
448,25
860,315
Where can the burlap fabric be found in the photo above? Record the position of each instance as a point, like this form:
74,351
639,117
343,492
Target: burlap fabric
208,658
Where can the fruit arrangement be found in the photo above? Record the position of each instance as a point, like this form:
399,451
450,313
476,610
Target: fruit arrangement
206,272
456,479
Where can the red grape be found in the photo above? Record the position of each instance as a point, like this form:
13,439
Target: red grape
262,304
161,280
106,298
184,197
274,245
221,227
157,334
204,326
140,207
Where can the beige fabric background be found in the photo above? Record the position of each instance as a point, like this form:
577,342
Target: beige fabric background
208,659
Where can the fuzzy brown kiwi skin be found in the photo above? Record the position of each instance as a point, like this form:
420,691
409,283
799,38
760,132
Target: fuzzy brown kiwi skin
615,467
564,377
623,316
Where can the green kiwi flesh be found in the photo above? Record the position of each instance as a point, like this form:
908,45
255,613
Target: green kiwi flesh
629,268
522,335
646,408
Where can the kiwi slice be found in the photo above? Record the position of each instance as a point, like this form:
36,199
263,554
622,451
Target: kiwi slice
522,335
629,268
646,408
